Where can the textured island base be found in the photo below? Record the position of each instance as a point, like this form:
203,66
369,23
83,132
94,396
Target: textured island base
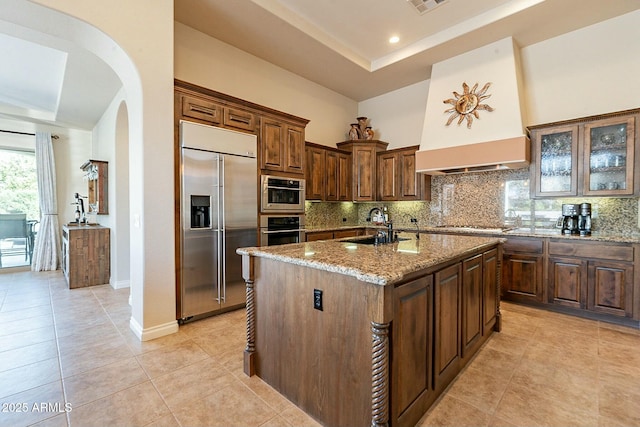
362,353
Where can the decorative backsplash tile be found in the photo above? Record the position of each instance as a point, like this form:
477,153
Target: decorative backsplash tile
479,199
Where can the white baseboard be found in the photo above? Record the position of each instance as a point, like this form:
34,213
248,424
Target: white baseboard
120,284
154,332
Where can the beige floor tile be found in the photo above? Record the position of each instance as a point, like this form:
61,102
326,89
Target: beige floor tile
297,417
26,377
515,346
523,409
215,410
91,357
620,404
499,422
558,355
26,355
626,336
59,420
106,380
276,421
574,386
22,339
170,358
19,325
30,400
449,411
135,406
481,388
619,354
25,314
274,399
140,347
495,360
192,382
167,421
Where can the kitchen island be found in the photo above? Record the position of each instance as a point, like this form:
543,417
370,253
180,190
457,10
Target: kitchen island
358,334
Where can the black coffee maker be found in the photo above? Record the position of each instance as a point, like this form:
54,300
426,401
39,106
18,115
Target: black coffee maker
584,219
570,219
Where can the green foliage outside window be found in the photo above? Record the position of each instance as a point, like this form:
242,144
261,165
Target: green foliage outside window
18,183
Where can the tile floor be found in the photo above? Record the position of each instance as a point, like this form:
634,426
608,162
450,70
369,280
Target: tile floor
73,347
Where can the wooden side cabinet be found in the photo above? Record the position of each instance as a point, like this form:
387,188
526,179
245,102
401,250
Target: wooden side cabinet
86,255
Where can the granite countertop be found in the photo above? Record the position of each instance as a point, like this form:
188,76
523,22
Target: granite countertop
317,228
537,232
383,264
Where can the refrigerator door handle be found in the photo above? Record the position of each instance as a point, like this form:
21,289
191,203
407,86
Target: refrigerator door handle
219,267
222,255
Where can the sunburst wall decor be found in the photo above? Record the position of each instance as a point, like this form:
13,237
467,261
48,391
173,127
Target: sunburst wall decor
467,104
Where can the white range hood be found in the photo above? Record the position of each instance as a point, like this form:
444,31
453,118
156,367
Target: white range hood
492,135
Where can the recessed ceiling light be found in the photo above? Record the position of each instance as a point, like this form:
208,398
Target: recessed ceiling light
394,39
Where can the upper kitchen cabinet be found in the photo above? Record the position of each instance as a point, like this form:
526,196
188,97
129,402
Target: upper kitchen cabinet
363,163
592,156
397,178
555,160
280,135
328,173
96,174
282,147
610,146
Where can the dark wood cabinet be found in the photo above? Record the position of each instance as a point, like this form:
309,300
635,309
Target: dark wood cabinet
447,298
312,236
397,177
363,173
411,368
590,156
595,276
281,147
328,173
523,270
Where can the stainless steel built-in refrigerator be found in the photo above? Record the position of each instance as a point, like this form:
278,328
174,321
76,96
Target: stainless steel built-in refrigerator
218,215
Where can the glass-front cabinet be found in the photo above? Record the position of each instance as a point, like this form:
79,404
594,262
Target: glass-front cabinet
592,156
556,158
609,157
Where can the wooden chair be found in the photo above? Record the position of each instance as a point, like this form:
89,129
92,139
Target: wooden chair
14,226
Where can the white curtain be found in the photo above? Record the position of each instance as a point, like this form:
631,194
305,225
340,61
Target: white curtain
46,253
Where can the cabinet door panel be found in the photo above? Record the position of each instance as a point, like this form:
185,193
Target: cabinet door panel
447,284
471,304
272,146
490,295
344,177
332,177
201,109
387,176
412,344
294,149
522,278
239,119
315,174
364,173
554,166
610,288
567,282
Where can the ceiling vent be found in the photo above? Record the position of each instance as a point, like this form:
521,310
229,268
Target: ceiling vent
424,6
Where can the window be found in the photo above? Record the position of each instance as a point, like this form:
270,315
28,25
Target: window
18,195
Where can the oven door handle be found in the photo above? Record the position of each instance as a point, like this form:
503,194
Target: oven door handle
271,187
282,231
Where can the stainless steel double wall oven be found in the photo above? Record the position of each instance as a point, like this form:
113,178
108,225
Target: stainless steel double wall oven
281,210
